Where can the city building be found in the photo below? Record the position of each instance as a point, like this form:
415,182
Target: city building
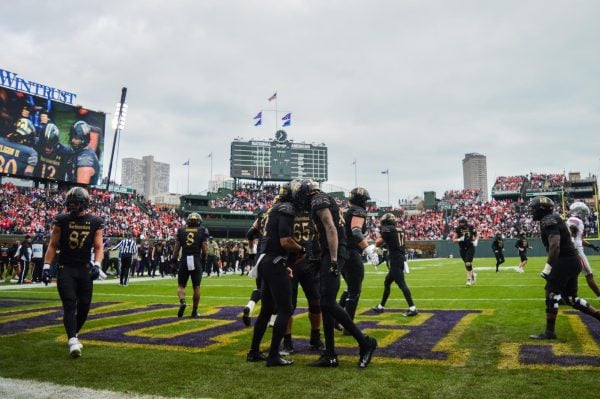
475,173
145,175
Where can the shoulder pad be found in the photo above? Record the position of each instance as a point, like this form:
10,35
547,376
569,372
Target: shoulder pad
58,219
357,211
320,201
86,158
548,221
286,208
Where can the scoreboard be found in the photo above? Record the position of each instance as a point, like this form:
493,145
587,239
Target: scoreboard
278,159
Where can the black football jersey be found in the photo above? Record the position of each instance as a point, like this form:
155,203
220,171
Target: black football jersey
14,157
498,244
191,239
522,243
468,233
351,212
277,223
554,225
77,237
84,158
395,239
322,201
55,165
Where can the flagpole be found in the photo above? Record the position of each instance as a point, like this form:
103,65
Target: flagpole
276,114
188,165
355,175
388,176
211,169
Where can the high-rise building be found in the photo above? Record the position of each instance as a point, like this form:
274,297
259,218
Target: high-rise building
475,173
145,175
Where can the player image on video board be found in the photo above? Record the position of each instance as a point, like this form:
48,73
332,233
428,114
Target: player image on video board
45,139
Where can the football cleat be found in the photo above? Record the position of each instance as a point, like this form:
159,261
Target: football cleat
255,356
75,347
278,362
544,335
181,309
366,352
288,349
316,344
246,317
325,361
410,313
378,309
195,315
468,282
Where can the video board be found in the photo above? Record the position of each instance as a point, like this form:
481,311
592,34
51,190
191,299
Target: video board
278,160
49,140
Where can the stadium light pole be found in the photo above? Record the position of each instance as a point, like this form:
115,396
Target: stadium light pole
118,124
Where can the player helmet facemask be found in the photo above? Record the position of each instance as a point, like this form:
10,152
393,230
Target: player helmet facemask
462,221
359,196
77,200
579,209
24,132
80,130
388,219
540,206
50,136
194,219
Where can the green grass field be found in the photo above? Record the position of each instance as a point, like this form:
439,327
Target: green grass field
465,343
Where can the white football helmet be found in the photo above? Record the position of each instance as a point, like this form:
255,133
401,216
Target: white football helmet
579,209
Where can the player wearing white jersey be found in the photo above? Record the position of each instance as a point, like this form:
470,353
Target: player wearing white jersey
580,210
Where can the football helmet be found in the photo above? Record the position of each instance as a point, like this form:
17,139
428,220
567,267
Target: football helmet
303,191
285,193
24,132
359,196
540,206
194,219
579,209
80,130
49,137
462,221
77,200
498,236
388,219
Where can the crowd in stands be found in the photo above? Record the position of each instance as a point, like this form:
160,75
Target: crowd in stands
541,182
508,183
31,210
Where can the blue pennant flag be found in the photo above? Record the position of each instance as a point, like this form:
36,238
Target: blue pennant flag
385,172
258,116
186,163
258,123
287,117
287,123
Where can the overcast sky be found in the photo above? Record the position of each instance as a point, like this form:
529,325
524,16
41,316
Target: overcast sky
409,86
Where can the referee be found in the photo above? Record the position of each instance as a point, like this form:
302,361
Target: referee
127,249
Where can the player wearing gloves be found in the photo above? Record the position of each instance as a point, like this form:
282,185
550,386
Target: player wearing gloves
578,211
467,238
562,265
354,269
394,237
75,235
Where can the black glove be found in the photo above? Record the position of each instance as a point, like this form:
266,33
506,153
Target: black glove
46,274
595,248
96,272
333,268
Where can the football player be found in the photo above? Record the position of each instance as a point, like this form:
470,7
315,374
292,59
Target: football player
85,167
394,238
326,215
578,211
276,243
192,240
355,227
74,236
498,248
467,237
522,246
53,156
17,157
305,274
562,265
